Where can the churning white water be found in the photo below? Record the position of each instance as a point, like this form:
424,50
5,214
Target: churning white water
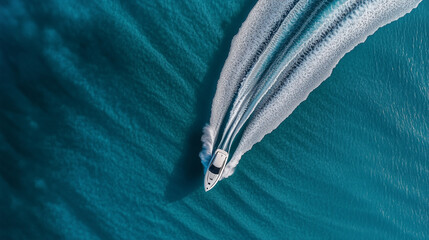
283,51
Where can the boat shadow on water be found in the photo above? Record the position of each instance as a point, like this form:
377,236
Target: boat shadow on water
187,174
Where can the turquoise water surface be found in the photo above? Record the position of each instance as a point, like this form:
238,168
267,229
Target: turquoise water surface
102,110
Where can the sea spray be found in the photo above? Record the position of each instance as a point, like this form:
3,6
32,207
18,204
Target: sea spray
207,139
272,67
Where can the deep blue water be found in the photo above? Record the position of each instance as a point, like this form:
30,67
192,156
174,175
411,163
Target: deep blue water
102,106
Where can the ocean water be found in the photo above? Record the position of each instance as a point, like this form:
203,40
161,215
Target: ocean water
102,110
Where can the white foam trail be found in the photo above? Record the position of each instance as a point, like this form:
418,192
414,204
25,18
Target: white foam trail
251,78
250,92
265,100
244,47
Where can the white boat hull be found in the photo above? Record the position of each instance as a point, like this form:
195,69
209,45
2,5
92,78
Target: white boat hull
215,169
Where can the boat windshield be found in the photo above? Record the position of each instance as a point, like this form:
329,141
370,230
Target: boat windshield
214,169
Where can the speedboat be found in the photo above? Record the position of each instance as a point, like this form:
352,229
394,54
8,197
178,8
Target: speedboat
215,170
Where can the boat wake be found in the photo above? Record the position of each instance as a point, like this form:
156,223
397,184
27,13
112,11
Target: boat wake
283,51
